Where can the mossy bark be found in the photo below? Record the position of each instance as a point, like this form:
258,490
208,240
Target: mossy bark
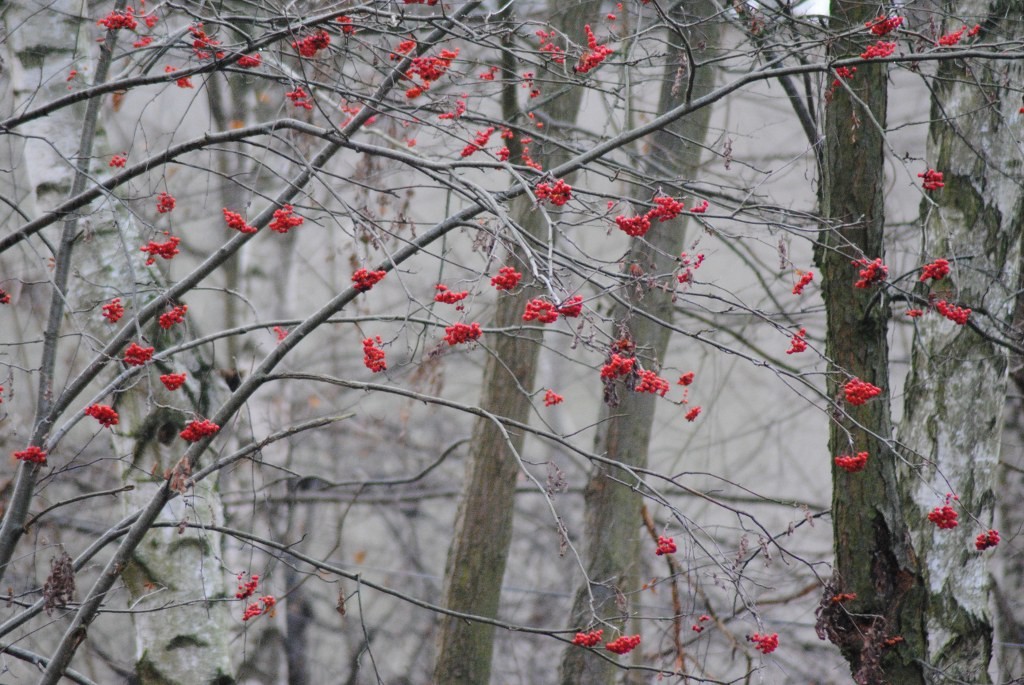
613,522
483,524
874,558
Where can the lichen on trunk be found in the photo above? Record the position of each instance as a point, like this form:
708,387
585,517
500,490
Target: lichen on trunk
956,391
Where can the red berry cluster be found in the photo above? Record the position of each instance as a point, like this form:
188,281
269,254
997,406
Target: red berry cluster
364,280
197,430
373,356
652,383
873,271
483,136
879,49
167,249
937,270
165,203
552,398
201,43
176,315
136,355
103,413
805,279
689,265
285,220
665,208
541,310
5,297
686,378
173,381
119,20
250,61
404,48
842,74
932,180
235,221
118,161
883,25
246,588
701,208
951,39
623,645
766,644
590,639
693,414
594,56
572,307
449,296
958,315
310,45
347,26
635,226
31,454
554,52
507,278
696,627
460,109
617,366
461,333
429,69
264,606
113,310
557,193
944,517
299,98
281,333
797,343
183,82
986,540
858,392
666,545
852,464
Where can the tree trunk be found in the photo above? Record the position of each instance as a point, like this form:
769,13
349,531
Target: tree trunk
188,641
176,579
52,158
612,519
874,557
956,392
483,523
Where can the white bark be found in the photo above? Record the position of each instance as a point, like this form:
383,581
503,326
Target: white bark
957,387
182,637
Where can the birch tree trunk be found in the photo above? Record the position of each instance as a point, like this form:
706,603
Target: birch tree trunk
483,523
956,392
51,159
612,519
177,583
874,558
178,573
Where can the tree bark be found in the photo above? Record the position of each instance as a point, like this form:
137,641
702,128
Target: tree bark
956,392
612,520
483,523
55,157
874,556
